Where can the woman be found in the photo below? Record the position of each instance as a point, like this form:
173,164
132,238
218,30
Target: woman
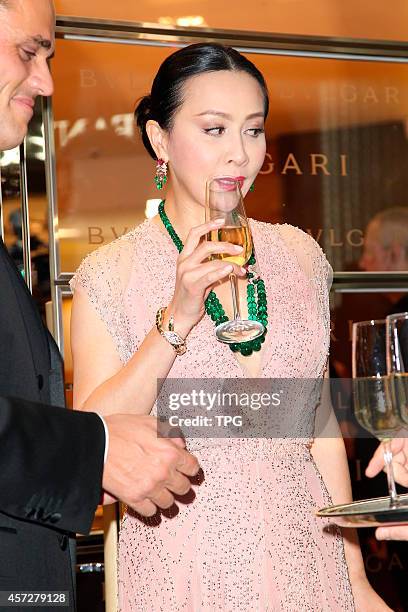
249,541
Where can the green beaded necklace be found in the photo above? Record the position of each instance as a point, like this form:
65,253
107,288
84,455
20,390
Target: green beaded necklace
256,296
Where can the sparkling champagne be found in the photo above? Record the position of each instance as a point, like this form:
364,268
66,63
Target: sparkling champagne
399,389
235,235
373,406
224,201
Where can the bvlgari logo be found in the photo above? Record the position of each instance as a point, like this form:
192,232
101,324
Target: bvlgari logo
321,90
315,164
334,238
99,235
329,236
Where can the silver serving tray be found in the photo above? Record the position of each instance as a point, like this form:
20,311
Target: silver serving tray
368,513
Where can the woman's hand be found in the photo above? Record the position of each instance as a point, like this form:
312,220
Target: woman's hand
366,599
196,275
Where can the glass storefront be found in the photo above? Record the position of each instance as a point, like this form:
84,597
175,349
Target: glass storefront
336,146
336,157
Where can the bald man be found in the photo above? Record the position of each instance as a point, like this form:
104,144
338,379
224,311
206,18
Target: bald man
386,249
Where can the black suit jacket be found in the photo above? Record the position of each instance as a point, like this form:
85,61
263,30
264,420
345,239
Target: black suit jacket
51,459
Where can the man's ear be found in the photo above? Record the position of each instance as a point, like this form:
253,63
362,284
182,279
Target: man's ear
158,139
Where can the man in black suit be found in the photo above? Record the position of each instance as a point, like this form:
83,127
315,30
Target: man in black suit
52,470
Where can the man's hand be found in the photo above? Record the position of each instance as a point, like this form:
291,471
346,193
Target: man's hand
143,470
399,532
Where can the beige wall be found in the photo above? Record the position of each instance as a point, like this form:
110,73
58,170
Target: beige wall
345,18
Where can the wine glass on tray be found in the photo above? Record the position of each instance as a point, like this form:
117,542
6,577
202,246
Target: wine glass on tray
397,361
374,405
380,385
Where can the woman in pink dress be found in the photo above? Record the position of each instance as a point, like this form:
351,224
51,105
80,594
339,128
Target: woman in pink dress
249,540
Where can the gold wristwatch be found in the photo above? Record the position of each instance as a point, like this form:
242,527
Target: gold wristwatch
172,337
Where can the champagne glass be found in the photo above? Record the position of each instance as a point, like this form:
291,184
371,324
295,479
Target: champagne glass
224,201
373,403
397,361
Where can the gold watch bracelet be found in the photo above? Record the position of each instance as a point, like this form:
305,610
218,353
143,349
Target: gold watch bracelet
172,337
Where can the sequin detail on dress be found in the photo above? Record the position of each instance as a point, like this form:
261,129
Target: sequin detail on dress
249,541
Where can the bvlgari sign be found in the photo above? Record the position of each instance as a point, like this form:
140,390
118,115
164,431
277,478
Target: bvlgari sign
316,163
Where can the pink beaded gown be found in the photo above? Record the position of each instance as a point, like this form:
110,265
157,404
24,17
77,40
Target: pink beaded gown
250,540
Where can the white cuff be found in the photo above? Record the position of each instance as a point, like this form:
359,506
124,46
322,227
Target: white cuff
106,437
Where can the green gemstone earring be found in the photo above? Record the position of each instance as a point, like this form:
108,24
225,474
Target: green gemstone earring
252,187
160,177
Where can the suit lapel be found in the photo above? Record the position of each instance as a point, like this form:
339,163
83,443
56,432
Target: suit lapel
57,397
24,322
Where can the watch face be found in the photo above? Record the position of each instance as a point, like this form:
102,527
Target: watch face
173,338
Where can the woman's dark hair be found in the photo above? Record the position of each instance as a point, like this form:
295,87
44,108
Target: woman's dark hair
167,89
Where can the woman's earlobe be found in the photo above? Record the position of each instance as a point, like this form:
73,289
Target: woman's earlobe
156,137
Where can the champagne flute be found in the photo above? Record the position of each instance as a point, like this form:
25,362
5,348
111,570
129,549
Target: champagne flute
224,201
373,403
397,361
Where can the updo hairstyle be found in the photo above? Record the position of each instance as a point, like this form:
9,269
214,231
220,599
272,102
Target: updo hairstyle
167,90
